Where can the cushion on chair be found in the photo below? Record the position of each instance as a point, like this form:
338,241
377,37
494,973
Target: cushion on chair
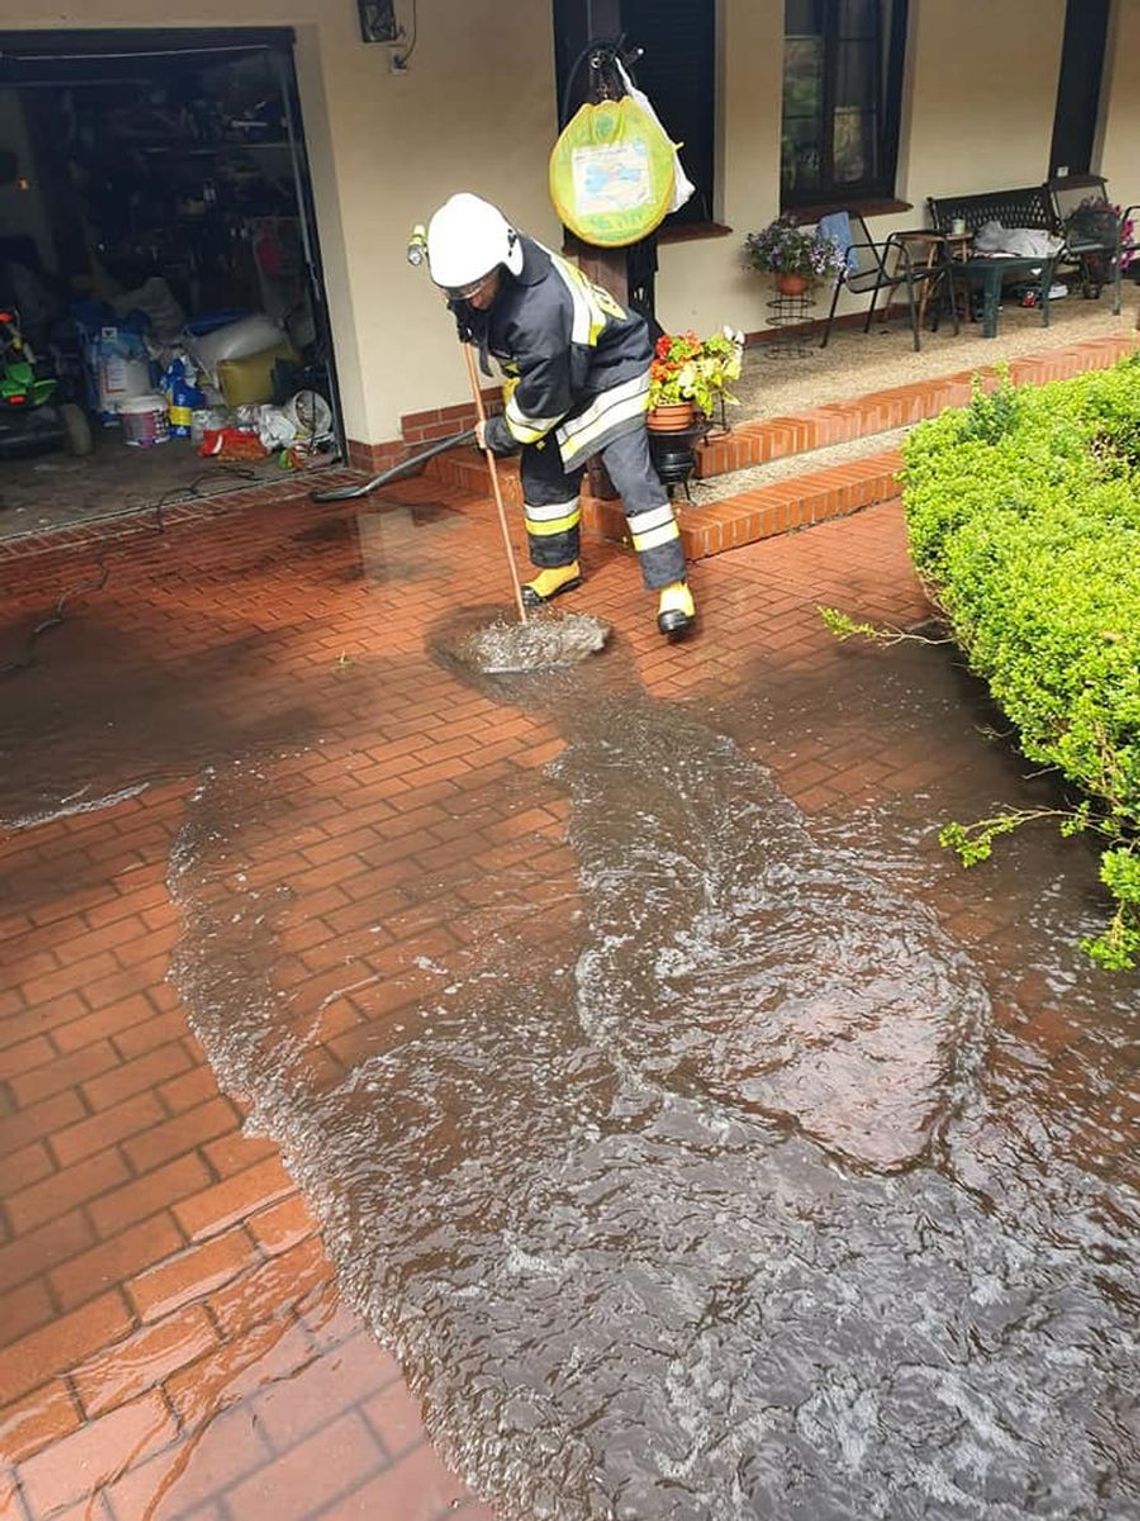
837,227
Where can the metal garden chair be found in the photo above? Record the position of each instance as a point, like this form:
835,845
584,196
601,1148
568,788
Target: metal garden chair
1098,239
873,267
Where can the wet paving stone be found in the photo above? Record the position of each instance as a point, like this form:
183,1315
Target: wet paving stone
263,849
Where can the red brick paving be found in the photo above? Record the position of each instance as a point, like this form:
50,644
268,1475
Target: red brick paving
171,1330
173,1340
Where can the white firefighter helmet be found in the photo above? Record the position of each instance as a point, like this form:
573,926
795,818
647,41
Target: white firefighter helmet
467,238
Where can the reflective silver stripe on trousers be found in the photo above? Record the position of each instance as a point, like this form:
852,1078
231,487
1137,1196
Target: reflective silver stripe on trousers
547,513
656,517
655,537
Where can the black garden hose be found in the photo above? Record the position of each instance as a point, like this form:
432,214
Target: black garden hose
349,493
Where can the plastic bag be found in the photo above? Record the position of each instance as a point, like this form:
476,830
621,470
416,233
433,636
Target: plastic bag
237,340
205,420
275,429
683,187
312,415
231,443
612,173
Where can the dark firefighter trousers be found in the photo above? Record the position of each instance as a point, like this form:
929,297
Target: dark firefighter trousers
553,512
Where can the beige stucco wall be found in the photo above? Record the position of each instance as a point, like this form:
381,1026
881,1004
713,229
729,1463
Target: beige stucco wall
980,95
984,91
1120,148
476,110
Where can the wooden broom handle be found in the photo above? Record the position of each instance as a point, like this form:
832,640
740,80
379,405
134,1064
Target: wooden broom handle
491,465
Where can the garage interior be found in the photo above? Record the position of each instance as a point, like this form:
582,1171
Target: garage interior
159,259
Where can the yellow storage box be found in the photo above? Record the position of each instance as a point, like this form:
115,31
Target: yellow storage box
245,382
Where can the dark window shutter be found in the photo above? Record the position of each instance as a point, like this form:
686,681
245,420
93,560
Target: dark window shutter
1078,90
678,73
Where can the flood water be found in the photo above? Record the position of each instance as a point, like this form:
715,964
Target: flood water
728,1164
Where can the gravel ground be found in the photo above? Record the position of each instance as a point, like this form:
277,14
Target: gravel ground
721,486
855,363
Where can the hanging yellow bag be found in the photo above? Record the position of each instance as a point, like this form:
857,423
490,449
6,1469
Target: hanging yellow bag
612,173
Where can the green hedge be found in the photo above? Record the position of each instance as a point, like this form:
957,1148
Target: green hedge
1023,519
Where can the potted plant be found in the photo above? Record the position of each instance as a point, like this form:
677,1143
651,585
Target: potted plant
794,255
690,375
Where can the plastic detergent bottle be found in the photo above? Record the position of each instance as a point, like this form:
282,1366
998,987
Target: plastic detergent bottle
183,398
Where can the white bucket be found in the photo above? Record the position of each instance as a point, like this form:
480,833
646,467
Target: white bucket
145,422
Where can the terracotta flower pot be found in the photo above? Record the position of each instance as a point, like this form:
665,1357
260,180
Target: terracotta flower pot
670,418
791,285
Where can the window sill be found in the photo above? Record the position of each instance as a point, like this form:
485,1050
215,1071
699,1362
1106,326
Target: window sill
871,206
683,232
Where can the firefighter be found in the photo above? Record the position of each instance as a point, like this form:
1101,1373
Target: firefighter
577,368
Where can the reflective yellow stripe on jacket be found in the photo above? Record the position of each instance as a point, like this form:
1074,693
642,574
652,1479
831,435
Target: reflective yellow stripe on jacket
593,306
527,430
578,437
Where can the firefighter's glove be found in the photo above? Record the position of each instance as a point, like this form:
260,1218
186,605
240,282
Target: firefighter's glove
464,320
497,436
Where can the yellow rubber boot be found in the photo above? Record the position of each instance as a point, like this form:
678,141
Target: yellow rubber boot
676,612
551,583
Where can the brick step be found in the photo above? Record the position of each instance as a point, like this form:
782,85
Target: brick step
796,501
811,496
766,439
781,506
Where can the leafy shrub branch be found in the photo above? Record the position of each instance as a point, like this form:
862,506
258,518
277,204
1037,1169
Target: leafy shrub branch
1023,521
843,626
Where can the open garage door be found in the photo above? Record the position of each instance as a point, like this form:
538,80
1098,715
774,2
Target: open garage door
175,156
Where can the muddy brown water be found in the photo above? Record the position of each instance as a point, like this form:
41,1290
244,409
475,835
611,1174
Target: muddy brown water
716,1177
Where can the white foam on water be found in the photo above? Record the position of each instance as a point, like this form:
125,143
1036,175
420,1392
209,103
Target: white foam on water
685,1206
546,641
77,803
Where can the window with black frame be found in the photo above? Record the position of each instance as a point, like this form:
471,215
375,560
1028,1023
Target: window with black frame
843,66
